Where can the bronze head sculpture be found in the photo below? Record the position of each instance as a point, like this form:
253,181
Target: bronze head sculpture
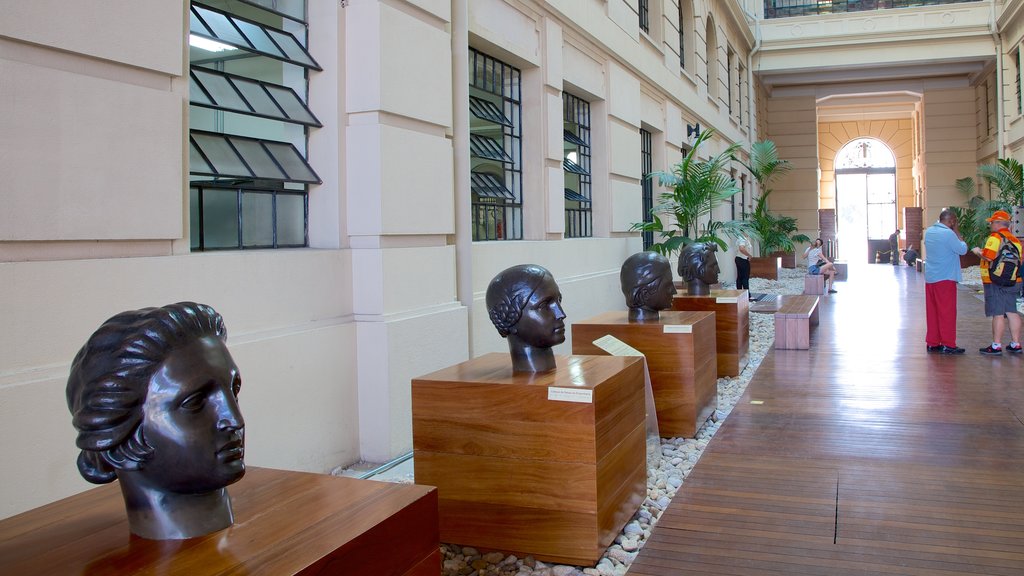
525,305
698,267
646,279
154,397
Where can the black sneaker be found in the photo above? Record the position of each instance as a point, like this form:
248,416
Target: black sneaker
833,291
952,350
1014,349
935,348
990,351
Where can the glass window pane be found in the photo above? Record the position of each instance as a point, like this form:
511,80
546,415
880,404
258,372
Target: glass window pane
224,95
291,220
258,37
193,217
292,105
295,9
196,163
292,48
292,162
222,27
257,219
258,98
220,218
195,94
225,161
259,161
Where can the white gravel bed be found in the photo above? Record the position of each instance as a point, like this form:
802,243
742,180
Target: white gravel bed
678,456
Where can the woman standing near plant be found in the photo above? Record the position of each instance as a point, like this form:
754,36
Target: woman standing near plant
743,263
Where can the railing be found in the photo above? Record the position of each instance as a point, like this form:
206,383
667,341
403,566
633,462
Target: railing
786,8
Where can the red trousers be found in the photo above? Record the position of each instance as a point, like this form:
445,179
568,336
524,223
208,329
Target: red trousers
940,313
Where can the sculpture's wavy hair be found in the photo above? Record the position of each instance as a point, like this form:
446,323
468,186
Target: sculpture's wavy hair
509,292
693,260
639,277
110,376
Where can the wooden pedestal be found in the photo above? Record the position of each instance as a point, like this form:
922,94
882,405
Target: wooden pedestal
765,267
814,284
732,325
550,464
680,351
286,523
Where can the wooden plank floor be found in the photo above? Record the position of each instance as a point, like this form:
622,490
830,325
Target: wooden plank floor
866,456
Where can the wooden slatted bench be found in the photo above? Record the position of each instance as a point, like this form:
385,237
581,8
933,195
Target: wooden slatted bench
793,322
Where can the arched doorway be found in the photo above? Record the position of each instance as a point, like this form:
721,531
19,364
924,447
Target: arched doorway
865,199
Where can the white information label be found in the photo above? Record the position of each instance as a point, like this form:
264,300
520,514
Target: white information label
616,347
727,299
677,329
581,395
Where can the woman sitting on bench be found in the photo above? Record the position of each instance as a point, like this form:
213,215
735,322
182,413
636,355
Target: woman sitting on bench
817,263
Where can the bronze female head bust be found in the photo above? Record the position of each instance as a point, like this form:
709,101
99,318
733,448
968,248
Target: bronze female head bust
525,305
646,280
698,267
154,397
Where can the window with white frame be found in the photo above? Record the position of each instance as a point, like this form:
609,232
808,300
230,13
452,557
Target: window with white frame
644,9
576,167
495,143
248,124
686,34
711,57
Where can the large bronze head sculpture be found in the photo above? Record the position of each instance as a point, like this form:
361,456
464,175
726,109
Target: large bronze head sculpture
646,279
154,397
525,305
698,267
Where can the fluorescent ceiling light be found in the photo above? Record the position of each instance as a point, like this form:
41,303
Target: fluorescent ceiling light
207,44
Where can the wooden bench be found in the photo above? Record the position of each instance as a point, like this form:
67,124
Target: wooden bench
793,322
814,284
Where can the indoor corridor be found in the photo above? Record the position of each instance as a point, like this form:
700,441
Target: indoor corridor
863,455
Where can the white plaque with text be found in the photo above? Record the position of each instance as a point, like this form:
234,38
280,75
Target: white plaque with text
677,329
582,395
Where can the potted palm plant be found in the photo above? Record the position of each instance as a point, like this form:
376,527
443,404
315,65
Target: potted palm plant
684,213
776,233
1007,175
971,219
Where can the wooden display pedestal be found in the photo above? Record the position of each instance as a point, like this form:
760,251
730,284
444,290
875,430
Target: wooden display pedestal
765,267
680,351
551,464
732,325
286,523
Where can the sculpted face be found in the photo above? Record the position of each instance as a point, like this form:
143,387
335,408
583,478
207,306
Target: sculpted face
664,290
192,421
711,269
542,323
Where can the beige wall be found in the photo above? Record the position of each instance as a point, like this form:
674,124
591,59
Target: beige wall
792,125
950,144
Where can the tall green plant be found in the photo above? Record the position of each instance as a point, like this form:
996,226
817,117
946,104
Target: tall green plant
1007,175
685,212
775,232
971,217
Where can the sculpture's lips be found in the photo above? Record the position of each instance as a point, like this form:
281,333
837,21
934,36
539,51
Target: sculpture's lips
560,329
233,450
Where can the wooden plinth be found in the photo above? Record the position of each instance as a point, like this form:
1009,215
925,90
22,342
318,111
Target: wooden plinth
793,322
841,270
732,325
521,468
680,351
286,523
765,267
814,284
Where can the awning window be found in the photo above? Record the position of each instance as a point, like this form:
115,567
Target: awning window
246,96
489,185
575,168
484,147
576,196
573,139
229,156
249,35
487,110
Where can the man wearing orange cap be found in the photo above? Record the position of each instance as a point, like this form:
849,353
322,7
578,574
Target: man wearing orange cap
1000,301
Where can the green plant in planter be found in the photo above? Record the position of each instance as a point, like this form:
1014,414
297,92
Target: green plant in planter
685,212
971,218
1007,175
775,232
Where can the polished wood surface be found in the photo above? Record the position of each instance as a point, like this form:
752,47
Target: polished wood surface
765,267
520,470
863,455
680,352
285,523
732,325
793,321
814,284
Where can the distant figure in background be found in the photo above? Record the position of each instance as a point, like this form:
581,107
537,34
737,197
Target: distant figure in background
646,280
817,263
910,256
894,247
944,246
743,263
